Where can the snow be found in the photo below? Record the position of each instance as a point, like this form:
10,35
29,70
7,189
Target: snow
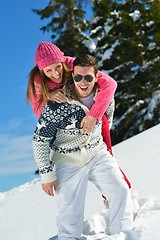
27,213
135,15
150,23
151,46
108,53
155,100
90,44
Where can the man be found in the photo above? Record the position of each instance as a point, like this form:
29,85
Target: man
77,158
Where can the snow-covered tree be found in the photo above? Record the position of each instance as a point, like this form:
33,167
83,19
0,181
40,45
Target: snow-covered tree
127,40
66,24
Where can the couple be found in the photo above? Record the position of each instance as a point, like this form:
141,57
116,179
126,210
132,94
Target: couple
68,159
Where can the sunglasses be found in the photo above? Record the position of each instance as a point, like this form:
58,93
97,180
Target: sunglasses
79,77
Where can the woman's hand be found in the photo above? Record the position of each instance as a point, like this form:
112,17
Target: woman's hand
88,123
58,96
50,187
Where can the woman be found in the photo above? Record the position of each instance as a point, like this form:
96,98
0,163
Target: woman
45,83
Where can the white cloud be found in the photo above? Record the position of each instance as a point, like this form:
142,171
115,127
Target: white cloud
16,155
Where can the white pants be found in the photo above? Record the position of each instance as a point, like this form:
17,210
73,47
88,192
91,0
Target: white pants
104,172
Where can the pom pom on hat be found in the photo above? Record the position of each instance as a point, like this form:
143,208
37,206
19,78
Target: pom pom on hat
48,54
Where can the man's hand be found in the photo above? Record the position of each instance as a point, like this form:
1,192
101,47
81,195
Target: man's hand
58,96
49,187
88,123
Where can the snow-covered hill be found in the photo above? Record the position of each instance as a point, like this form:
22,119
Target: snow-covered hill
26,213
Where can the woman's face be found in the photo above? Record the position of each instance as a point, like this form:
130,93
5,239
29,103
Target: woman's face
54,72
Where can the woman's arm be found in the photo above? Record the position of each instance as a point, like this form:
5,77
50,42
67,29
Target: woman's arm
106,89
69,62
37,109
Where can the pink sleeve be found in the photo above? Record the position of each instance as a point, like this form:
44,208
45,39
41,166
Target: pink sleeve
69,61
34,102
106,89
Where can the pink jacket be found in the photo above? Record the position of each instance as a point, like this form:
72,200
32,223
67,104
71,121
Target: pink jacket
106,86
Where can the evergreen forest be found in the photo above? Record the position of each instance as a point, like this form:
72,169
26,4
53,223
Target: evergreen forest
124,36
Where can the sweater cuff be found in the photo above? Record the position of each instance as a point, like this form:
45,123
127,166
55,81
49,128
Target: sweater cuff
97,113
48,177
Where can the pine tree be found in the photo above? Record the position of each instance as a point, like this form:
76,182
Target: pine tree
66,24
127,39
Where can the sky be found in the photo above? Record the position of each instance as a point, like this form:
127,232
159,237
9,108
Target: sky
20,36
35,212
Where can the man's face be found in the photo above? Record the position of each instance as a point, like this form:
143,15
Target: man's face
84,88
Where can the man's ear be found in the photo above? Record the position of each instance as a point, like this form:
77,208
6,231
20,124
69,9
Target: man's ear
96,77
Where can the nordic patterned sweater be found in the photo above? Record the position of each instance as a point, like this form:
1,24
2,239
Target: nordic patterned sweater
57,138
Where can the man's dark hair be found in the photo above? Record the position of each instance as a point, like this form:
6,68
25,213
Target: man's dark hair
86,60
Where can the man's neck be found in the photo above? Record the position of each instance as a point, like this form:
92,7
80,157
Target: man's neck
88,101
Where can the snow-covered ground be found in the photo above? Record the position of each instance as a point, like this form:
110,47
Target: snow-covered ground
27,213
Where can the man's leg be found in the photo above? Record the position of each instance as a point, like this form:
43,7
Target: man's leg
107,139
71,192
106,176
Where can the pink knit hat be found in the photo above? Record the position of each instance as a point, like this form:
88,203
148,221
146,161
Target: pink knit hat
48,54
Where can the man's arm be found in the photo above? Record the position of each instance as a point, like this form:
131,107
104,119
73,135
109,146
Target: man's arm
45,133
